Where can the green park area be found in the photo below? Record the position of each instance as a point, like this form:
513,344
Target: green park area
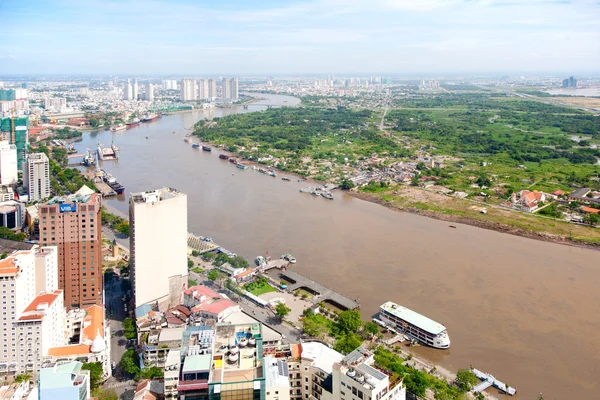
259,286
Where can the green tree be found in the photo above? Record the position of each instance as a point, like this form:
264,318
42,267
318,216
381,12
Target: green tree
282,310
213,275
349,321
129,328
152,373
7,233
130,362
313,328
346,184
190,263
22,378
465,379
209,256
415,180
96,373
371,327
195,253
416,383
238,262
347,342
108,394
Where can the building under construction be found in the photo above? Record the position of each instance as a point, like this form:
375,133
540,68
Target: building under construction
16,131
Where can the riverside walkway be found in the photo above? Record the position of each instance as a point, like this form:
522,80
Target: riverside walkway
322,293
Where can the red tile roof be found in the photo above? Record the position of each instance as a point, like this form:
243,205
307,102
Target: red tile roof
36,309
590,210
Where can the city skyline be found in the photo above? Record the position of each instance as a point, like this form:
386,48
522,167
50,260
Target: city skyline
303,37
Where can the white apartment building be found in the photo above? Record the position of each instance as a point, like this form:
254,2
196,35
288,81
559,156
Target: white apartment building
212,88
128,91
203,89
46,269
134,90
40,327
8,163
149,92
169,84
188,89
17,287
36,176
226,89
55,103
158,243
315,371
234,88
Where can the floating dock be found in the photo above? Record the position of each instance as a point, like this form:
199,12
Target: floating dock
200,245
488,380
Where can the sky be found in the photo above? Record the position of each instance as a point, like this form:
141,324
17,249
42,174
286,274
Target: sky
244,37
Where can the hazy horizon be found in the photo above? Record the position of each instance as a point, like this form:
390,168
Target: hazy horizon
401,38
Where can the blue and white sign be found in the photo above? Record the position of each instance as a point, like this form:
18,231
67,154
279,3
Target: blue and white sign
68,208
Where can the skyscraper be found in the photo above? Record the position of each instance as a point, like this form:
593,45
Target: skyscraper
226,89
128,91
234,89
74,225
158,243
8,163
203,89
36,176
570,82
188,89
149,92
212,88
134,91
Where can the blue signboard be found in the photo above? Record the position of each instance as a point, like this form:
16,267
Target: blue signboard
68,208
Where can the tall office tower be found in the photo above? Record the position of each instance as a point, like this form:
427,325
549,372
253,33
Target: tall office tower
158,246
74,224
188,89
134,92
203,89
149,92
212,88
36,176
8,163
234,89
226,89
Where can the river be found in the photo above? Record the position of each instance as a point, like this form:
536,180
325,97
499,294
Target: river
524,310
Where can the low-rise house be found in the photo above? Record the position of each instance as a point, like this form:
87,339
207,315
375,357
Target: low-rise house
590,210
157,344
206,303
149,389
529,200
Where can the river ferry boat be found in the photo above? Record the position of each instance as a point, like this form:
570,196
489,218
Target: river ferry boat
242,166
414,325
133,123
285,178
112,182
223,156
206,148
327,195
151,117
196,146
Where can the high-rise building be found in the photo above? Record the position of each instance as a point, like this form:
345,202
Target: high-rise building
128,91
32,324
234,89
212,88
46,269
74,225
36,176
149,92
203,89
169,84
570,82
8,163
16,131
226,89
65,381
158,246
134,91
188,89
7,95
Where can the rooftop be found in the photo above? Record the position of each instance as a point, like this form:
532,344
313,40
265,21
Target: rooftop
322,356
62,375
8,246
198,362
74,198
170,335
37,308
153,196
276,372
240,317
413,318
238,354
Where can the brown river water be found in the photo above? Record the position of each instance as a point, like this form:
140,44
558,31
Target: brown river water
524,310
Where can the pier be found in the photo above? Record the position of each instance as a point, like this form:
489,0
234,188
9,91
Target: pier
200,245
488,380
322,293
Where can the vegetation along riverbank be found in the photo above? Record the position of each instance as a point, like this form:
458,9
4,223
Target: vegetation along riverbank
484,158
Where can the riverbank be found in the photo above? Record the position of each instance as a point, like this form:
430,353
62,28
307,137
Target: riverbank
444,208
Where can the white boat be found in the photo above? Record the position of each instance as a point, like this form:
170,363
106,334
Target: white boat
117,128
414,325
260,261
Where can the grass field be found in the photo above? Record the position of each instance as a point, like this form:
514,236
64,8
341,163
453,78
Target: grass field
259,288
